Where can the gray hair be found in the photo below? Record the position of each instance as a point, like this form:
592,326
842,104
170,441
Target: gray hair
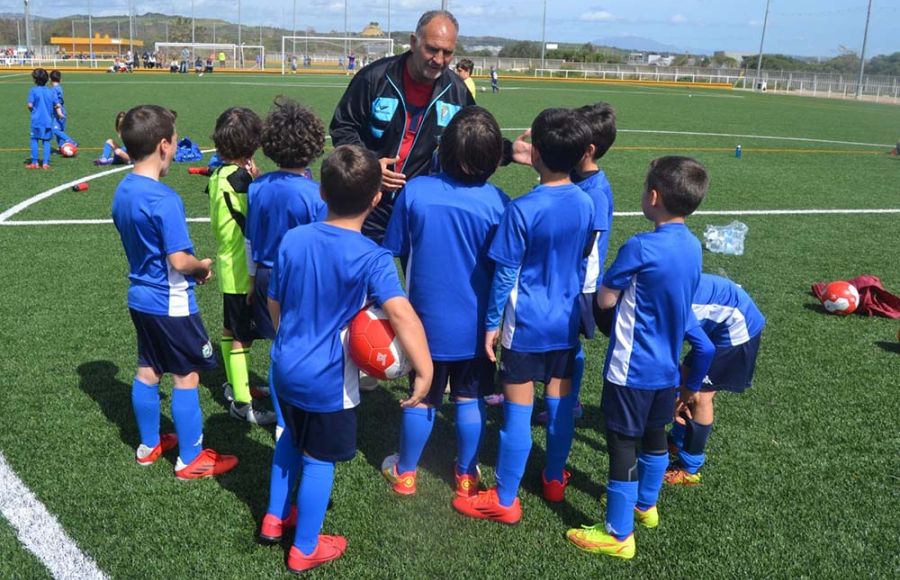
426,19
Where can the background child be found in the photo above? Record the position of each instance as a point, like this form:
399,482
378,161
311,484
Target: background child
495,80
444,225
45,112
59,128
464,69
651,284
113,154
236,138
317,384
170,334
734,324
538,249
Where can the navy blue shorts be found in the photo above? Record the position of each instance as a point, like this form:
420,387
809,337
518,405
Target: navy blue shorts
732,367
523,367
261,316
469,379
172,344
631,411
586,301
237,316
324,436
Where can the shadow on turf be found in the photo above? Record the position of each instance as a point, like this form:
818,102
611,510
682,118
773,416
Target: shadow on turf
248,481
888,346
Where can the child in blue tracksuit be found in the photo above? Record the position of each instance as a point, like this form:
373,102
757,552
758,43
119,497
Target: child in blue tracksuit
113,153
45,112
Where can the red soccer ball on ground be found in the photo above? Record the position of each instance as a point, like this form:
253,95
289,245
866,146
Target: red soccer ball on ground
68,150
374,346
840,298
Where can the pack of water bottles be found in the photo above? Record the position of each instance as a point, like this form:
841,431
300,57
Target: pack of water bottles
728,239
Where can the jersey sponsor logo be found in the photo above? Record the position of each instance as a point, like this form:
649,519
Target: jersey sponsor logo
207,350
446,112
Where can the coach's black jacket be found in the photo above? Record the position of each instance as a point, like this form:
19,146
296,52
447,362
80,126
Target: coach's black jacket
372,113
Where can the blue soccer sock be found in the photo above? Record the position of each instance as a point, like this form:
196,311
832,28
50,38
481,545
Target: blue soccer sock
276,406
560,431
107,151
470,417
145,402
677,433
693,455
578,373
285,467
312,501
34,150
651,470
417,425
188,423
515,445
47,145
621,497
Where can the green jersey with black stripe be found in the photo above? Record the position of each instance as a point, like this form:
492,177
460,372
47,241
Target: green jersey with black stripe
228,204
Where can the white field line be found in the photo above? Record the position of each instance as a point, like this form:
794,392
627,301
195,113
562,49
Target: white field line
748,212
39,531
9,76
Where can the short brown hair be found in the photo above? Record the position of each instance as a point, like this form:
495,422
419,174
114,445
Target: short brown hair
471,146
120,116
40,76
351,177
681,182
237,133
601,120
292,135
144,127
55,76
466,64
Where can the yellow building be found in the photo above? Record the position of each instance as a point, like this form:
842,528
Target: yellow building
102,45
373,30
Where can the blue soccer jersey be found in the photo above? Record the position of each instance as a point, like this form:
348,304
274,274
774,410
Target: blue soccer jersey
597,188
43,104
726,312
544,234
150,218
444,228
658,273
279,201
323,276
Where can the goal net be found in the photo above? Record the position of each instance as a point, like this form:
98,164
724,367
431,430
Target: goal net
244,56
331,52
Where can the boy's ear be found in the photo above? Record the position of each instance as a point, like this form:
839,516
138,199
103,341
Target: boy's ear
654,198
375,201
322,194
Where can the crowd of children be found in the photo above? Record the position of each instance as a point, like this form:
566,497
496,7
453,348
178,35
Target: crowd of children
483,273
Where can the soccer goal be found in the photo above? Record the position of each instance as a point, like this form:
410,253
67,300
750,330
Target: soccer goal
243,56
331,52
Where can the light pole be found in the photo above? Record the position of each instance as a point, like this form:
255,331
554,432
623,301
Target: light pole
761,40
131,27
544,34
346,29
239,30
444,4
862,55
27,27
294,30
90,34
193,28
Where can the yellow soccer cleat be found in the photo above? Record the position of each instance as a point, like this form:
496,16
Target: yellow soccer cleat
677,475
596,540
648,518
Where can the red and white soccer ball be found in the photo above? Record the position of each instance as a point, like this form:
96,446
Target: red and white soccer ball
68,150
374,346
840,298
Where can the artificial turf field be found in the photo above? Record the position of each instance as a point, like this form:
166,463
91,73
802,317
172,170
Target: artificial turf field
803,475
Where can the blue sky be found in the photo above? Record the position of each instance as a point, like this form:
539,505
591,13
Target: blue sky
803,27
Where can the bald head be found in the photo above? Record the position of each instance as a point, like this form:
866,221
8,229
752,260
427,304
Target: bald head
432,45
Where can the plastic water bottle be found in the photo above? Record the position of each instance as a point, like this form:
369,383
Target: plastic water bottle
728,239
738,151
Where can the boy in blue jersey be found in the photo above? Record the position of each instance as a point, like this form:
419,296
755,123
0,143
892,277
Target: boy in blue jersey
734,324
59,129
163,270
113,153
650,284
315,380
292,137
538,249
601,120
444,225
45,112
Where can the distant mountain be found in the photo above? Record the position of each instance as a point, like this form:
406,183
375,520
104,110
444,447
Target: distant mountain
639,43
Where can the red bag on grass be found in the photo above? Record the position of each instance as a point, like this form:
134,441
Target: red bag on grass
873,298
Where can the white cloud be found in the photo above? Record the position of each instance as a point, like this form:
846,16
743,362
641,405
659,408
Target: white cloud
679,19
597,16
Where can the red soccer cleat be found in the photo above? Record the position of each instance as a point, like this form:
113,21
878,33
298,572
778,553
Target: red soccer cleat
554,490
147,456
273,527
329,548
207,464
486,506
32,166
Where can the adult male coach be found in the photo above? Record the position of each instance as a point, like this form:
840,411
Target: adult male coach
399,106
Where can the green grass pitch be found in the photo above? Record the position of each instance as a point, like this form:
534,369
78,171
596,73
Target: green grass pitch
803,477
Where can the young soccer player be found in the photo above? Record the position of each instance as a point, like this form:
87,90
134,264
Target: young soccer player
236,138
45,112
163,270
650,284
59,128
315,380
538,250
495,80
444,226
113,153
464,69
734,324
601,120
